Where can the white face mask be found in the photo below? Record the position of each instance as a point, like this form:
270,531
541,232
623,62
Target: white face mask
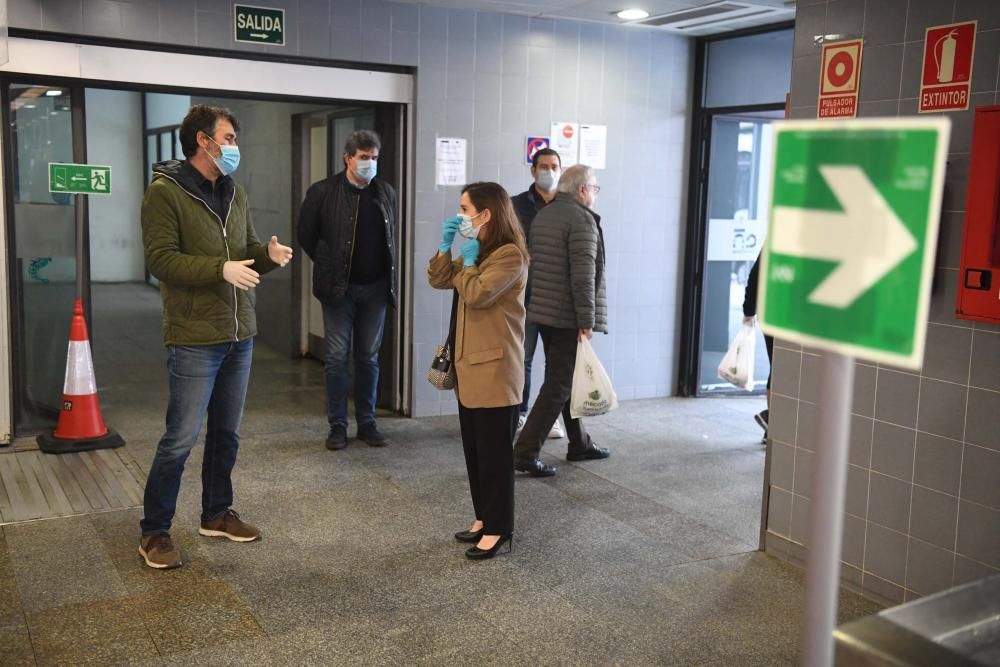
547,179
466,228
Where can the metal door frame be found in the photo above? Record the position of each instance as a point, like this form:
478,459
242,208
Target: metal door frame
12,321
688,370
6,356
89,62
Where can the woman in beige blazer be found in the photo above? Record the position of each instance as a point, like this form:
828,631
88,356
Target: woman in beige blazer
490,278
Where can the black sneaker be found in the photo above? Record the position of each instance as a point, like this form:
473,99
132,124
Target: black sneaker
337,439
761,419
369,433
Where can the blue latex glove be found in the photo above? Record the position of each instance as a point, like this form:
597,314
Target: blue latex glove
470,252
448,231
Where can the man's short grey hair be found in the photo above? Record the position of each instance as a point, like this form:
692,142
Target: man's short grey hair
362,140
574,178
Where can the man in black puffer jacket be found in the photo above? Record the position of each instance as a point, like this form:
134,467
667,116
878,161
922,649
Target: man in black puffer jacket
347,226
568,301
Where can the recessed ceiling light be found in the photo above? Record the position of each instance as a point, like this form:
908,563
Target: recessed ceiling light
632,14
53,93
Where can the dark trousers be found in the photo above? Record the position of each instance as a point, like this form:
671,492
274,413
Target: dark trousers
769,346
486,437
553,397
356,322
530,343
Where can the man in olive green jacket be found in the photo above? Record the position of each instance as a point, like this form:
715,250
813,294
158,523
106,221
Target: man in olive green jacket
201,245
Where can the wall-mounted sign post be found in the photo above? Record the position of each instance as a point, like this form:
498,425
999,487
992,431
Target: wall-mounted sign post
847,268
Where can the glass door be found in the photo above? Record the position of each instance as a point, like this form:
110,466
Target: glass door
42,126
736,222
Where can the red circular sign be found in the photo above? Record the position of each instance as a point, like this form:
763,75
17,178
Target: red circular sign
568,131
840,69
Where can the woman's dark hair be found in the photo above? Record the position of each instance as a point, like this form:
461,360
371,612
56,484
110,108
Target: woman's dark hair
203,118
504,226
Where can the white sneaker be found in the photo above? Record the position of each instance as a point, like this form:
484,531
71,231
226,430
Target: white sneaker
557,431
520,420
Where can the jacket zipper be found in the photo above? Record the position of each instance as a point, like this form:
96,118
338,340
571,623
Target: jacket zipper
354,237
236,297
388,241
225,243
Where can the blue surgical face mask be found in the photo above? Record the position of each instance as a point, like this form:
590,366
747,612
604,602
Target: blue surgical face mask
229,160
366,170
466,228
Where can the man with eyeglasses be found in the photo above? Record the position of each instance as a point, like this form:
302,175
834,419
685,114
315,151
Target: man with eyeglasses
568,302
546,167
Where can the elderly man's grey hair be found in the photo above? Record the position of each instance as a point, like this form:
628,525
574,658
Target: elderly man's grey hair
574,178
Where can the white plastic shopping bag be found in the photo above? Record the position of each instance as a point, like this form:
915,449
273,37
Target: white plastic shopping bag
737,365
592,392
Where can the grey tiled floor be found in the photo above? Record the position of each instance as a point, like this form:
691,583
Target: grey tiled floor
647,558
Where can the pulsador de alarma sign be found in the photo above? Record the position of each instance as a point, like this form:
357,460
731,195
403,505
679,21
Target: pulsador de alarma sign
259,25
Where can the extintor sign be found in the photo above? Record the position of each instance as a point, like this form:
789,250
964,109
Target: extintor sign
947,72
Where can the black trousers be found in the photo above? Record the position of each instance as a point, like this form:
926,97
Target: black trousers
769,346
553,397
486,437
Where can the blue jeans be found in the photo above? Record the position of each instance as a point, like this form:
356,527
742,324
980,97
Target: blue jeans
204,379
530,343
360,316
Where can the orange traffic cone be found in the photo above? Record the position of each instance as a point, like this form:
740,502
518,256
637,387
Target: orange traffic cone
80,425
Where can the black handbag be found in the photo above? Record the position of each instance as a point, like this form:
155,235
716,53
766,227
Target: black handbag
442,372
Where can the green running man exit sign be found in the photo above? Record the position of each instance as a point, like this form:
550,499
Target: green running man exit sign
259,25
81,179
853,224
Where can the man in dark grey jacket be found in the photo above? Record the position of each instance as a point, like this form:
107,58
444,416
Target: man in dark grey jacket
568,302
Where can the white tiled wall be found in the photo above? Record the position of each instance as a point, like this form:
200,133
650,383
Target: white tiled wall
493,79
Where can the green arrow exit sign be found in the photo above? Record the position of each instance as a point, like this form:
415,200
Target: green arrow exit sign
853,225
83,179
259,25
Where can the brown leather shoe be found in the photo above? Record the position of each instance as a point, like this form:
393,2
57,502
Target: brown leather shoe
231,526
159,551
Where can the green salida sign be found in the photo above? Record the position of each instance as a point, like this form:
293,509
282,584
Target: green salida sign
852,234
259,25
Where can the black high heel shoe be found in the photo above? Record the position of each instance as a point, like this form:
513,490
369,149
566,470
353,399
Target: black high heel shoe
475,553
469,536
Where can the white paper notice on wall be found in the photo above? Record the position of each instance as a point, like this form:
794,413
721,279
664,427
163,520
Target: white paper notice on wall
450,159
593,145
565,140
